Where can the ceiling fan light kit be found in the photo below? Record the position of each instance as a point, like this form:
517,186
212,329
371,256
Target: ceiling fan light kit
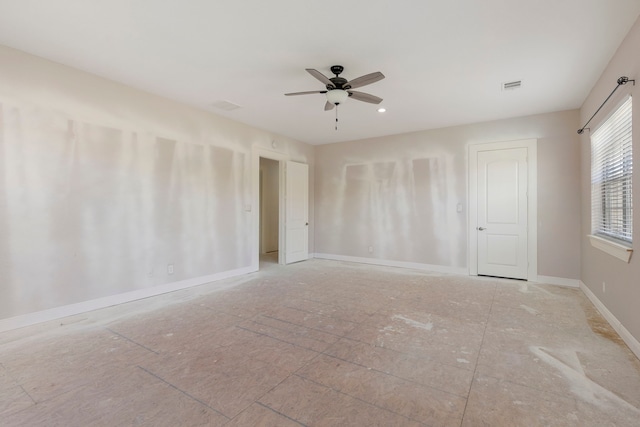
338,89
337,96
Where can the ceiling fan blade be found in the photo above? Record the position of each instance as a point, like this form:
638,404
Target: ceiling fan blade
328,106
365,80
305,93
366,97
318,75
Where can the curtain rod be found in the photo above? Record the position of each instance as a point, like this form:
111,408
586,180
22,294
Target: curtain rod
621,81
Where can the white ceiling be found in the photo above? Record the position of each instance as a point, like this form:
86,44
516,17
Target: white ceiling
444,60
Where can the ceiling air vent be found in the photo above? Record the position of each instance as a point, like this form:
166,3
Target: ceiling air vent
225,105
517,84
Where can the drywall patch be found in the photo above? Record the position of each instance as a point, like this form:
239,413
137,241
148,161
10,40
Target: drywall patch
225,105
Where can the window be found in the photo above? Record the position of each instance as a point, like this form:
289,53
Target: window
611,171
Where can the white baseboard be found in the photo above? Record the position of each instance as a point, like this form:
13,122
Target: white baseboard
560,281
85,306
626,336
390,263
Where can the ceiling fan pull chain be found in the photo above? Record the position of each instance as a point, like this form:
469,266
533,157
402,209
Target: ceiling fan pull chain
336,116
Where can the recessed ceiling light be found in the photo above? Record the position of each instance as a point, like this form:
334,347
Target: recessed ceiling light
381,110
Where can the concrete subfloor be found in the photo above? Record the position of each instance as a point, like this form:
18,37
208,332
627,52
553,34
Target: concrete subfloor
327,343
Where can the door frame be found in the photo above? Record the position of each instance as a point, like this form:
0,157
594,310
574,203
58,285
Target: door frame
281,158
532,201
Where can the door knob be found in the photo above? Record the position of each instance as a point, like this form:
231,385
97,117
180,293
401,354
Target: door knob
480,228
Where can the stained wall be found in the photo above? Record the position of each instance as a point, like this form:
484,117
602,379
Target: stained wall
399,195
104,186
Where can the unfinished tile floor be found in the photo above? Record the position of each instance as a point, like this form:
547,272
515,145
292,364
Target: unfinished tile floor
325,343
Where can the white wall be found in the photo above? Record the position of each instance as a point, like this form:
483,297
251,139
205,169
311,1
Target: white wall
399,193
622,296
103,186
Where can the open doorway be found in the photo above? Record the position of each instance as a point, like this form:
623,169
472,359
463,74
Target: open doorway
269,211
293,234
273,162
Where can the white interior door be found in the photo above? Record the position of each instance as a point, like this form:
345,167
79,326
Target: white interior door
502,213
297,212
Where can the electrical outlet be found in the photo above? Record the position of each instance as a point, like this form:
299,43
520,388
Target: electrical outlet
170,269
370,249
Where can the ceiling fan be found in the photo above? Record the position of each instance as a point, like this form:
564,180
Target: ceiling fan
338,89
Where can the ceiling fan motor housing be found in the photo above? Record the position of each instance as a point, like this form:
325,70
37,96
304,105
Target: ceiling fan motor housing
338,83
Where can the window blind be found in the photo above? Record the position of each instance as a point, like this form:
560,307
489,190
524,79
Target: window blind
611,173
